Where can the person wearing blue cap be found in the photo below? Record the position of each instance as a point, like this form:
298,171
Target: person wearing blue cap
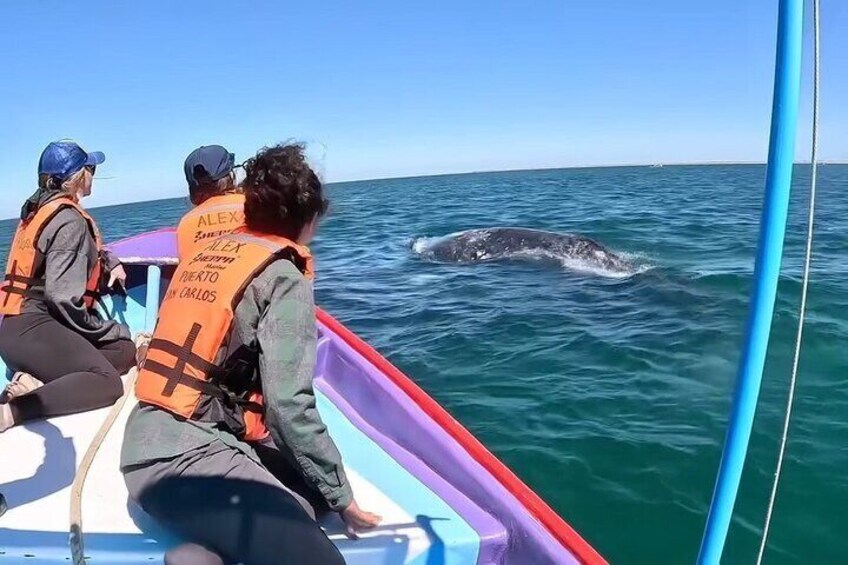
66,357
218,201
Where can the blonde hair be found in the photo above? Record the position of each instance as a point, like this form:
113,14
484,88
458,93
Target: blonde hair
73,185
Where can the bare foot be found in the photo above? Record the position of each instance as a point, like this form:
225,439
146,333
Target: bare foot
21,384
6,420
142,340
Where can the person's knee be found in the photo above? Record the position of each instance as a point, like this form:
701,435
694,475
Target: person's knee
126,356
192,554
113,388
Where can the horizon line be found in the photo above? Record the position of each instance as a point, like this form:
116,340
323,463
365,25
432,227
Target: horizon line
570,167
517,170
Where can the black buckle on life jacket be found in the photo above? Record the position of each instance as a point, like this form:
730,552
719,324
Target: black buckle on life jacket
233,399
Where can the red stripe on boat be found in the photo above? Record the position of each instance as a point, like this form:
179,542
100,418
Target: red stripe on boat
537,507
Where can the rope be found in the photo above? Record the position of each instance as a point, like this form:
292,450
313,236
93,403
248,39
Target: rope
804,285
76,537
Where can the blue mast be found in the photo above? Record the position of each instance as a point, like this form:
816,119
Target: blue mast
151,300
784,119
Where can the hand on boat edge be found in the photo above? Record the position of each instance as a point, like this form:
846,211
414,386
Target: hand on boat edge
117,275
357,519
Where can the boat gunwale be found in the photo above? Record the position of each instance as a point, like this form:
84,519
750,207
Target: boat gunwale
559,529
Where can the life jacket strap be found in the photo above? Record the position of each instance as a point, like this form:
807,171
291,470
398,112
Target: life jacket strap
177,376
183,352
28,292
30,282
12,277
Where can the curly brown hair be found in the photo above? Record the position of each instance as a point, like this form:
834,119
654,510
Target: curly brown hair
282,192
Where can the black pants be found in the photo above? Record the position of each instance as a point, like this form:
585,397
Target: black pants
77,375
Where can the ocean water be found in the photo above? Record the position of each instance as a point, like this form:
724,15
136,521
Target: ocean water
608,394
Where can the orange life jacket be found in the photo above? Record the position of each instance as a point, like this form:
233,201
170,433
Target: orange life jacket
24,258
213,218
195,321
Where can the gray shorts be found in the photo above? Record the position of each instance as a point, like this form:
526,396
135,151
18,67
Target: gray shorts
214,460
231,509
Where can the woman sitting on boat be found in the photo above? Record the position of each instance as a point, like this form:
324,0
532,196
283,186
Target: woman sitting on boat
67,358
218,201
231,361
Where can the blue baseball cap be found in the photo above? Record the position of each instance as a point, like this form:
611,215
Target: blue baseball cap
61,159
208,163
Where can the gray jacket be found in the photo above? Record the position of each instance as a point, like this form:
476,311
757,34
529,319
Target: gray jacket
68,255
276,315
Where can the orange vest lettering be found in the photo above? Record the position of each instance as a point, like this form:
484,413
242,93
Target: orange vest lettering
213,218
195,320
24,258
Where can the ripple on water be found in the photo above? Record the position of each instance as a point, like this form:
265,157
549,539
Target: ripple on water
609,396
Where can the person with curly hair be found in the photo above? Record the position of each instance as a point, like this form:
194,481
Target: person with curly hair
230,365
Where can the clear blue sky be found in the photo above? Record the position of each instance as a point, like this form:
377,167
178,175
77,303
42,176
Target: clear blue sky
396,88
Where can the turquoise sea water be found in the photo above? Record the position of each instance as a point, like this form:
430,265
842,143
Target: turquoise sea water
609,396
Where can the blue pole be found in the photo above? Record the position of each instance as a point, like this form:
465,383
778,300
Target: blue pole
151,299
772,229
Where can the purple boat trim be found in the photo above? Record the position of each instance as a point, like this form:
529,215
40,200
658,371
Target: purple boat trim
493,535
404,430
159,243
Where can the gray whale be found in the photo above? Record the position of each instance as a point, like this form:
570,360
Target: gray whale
493,244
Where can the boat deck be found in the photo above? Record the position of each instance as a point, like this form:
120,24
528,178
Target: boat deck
419,526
